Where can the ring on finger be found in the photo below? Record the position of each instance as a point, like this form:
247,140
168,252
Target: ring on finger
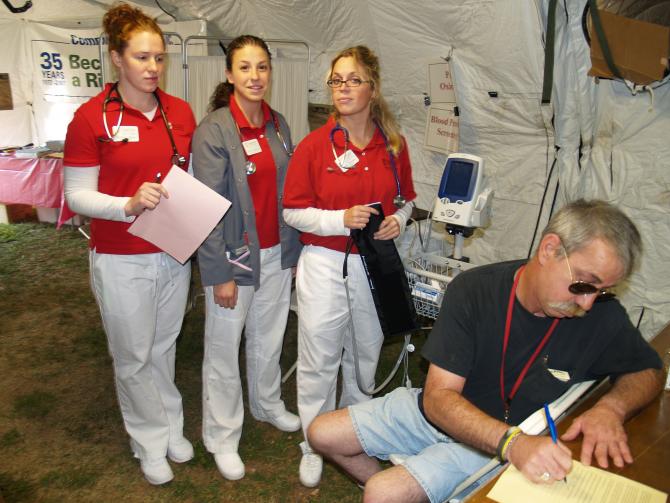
545,477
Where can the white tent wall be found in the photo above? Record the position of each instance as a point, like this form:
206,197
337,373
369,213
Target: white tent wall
34,118
610,144
485,58
497,46
24,124
624,158
16,126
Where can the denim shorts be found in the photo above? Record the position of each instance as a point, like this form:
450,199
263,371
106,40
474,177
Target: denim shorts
393,424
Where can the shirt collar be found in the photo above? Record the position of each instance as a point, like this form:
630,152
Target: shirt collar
239,117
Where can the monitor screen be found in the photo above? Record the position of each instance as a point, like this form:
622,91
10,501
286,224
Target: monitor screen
460,176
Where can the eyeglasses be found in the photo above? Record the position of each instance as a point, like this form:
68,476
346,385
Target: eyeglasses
578,287
353,82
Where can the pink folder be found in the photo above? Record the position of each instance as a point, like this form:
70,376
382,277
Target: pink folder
181,222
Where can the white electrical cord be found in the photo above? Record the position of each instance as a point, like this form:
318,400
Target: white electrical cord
407,347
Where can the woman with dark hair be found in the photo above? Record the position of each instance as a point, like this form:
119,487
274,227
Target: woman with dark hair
118,144
241,150
358,157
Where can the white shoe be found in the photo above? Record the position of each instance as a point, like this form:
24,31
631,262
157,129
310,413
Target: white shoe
230,465
156,471
180,451
285,421
311,466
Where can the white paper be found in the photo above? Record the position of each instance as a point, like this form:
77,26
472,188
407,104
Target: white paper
585,484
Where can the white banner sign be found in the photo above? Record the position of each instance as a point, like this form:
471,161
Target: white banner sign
442,130
66,63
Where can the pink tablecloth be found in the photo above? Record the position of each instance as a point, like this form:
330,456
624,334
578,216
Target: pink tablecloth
37,182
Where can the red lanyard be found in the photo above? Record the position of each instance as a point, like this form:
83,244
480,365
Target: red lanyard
508,324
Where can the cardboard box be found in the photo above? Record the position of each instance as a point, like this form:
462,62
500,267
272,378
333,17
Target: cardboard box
640,49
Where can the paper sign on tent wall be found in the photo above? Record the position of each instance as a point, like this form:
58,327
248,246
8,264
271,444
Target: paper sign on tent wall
66,63
442,122
441,130
440,83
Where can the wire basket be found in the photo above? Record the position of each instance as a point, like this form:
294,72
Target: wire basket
428,275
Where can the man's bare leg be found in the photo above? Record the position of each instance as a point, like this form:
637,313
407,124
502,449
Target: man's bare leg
332,435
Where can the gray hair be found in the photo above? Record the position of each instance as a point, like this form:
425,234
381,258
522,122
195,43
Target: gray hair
580,222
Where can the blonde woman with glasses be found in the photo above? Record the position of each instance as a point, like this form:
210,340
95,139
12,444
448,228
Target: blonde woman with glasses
358,157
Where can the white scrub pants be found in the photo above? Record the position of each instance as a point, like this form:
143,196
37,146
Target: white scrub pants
324,332
142,299
263,314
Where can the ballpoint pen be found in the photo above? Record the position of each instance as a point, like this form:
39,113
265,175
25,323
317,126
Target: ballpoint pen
552,429
158,178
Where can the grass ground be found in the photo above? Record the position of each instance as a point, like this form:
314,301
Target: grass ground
61,435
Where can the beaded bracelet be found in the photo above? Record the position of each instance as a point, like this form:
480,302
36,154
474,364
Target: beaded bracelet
508,445
506,441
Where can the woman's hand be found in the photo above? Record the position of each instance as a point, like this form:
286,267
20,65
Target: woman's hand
357,217
225,294
389,229
147,197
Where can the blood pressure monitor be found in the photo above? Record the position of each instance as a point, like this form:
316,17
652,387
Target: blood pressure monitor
462,199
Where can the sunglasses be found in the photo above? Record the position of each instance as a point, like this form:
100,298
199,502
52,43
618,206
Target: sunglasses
578,287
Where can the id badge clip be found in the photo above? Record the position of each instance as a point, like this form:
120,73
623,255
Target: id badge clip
251,147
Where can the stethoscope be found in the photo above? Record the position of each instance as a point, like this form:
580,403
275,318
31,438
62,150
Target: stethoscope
176,158
399,200
250,166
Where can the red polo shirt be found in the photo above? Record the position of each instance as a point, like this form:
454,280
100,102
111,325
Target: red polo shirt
125,166
314,180
262,183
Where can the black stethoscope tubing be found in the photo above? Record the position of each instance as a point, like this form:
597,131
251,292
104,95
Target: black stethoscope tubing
176,158
398,200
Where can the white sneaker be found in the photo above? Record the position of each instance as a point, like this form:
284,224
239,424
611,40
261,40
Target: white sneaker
180,450
156,471
311,466
285,421
230,465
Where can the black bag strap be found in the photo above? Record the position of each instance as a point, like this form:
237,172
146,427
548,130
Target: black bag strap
548,79
602,40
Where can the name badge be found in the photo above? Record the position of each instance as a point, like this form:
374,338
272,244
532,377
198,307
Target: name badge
347,160
127,133
251,147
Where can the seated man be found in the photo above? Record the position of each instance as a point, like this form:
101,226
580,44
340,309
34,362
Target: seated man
509,338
